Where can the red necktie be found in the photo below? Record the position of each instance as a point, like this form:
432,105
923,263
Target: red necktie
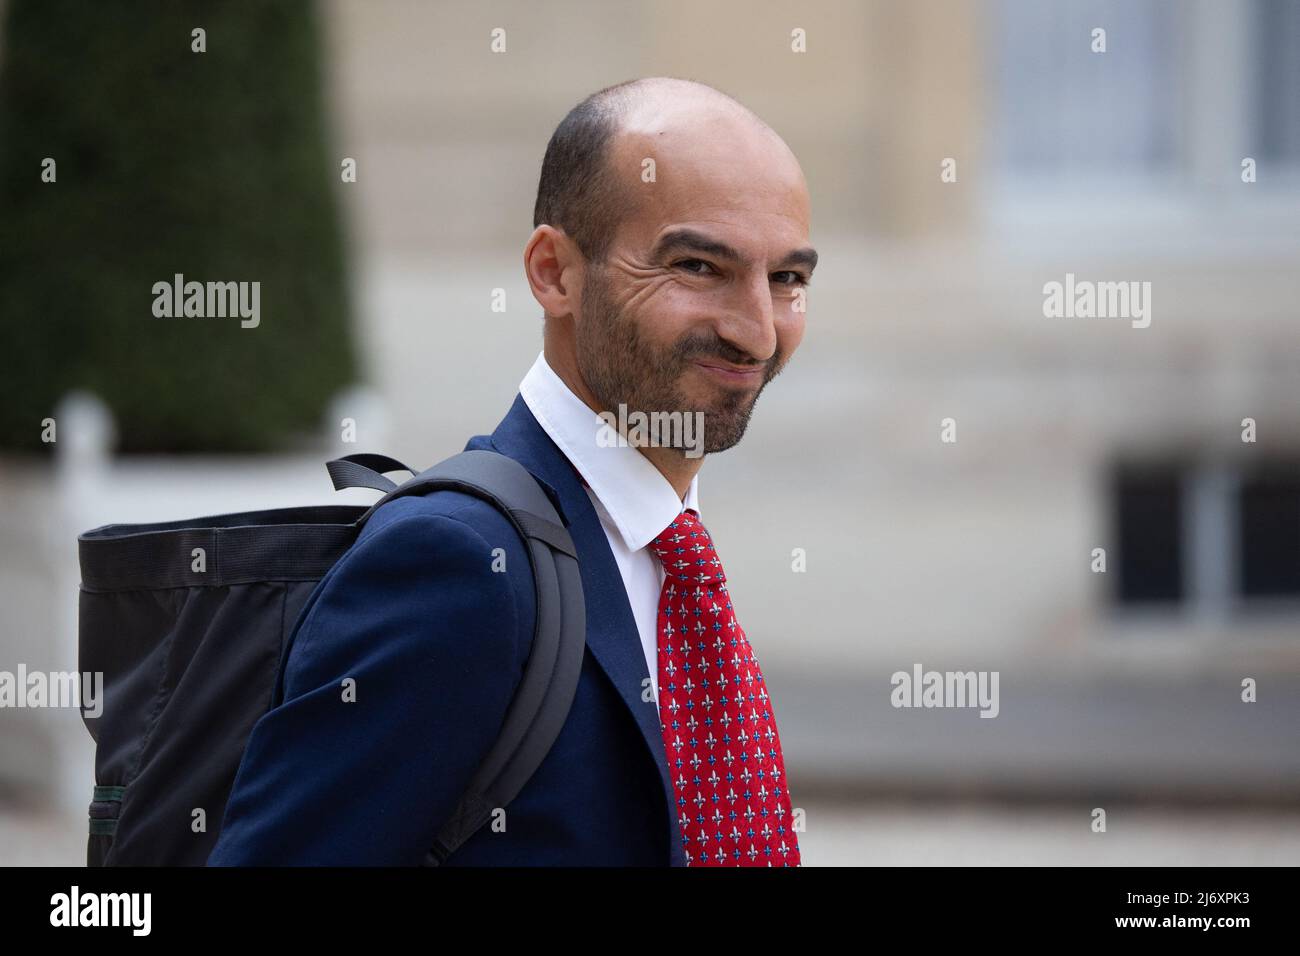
724,755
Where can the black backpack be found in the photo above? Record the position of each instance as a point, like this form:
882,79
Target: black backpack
192,659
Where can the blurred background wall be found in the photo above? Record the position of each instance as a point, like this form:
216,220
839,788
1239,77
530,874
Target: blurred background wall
1120,689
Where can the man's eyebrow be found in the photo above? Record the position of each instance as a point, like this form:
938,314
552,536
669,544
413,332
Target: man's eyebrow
692,241
801,257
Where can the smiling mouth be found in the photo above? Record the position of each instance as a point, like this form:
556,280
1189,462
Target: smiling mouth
732,374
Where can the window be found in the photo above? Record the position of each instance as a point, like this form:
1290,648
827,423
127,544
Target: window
1150,525
1269,533
1064,110
1277,79
1210,536
1146,141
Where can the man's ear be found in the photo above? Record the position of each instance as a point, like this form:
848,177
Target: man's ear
553,265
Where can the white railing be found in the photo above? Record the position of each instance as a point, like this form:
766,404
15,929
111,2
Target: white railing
48,752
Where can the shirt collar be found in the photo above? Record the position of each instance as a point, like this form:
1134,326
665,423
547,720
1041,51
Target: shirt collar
637,498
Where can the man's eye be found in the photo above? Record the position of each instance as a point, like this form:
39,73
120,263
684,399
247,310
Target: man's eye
795,278
689,266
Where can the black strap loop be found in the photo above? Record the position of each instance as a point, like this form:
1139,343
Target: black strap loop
364,470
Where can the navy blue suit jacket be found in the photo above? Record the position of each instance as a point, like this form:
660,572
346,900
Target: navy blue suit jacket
436,641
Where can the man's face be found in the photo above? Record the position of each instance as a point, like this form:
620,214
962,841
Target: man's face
698,304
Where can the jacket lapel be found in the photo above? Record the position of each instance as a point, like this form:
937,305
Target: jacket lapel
612,635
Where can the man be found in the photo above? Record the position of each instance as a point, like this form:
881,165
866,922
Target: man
670,253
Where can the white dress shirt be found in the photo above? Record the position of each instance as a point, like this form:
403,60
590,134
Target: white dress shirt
634,501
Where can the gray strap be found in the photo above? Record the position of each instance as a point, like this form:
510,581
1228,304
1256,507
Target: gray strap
550,679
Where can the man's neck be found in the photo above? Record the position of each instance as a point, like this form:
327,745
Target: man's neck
672,463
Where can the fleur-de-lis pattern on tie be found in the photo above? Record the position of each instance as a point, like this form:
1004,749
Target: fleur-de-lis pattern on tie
724,754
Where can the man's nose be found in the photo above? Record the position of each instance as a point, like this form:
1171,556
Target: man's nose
750,324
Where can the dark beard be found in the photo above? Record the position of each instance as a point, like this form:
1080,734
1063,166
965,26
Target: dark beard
621,368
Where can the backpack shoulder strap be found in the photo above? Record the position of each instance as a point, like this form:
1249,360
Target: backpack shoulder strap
550,679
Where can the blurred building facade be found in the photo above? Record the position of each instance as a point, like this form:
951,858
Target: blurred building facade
1072,434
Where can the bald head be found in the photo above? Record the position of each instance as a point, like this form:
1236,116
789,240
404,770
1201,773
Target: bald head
594,158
